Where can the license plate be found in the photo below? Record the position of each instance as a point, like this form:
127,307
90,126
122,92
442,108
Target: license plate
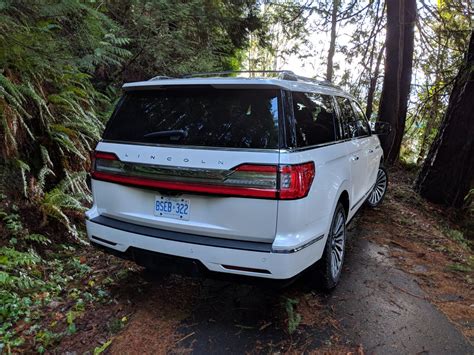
172,207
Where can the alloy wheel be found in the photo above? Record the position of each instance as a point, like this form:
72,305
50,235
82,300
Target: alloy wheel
379,189
337,244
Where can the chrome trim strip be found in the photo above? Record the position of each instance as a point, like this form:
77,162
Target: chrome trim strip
294,250
185,174
363,197
300,149
260,150
166,172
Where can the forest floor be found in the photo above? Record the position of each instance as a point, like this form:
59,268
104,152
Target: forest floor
407,287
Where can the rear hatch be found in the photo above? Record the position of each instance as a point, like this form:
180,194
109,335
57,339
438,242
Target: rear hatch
200,160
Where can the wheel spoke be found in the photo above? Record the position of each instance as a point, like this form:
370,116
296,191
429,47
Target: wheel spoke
337,246
338,237
379,188
340,222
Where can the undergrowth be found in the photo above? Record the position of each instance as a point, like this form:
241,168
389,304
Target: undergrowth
294,318
45,286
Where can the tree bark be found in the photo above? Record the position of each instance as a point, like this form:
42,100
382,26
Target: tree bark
448,171
399,43
332,43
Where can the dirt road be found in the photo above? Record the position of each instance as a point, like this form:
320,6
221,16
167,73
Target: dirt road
377,308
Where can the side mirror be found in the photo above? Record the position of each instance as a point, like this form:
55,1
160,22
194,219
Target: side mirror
381,128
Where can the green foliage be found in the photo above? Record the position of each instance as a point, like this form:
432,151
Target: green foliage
28,282
458,237
194,36
55,202
294,318
115,325
284,33
443,35
102,348
37,238
12,223
51,114
465,267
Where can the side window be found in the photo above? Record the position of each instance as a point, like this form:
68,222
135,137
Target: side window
346,118
314,116
353,123
362,124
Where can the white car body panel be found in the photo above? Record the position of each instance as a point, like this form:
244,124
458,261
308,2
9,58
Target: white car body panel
281,265
225,217
300,221
357,156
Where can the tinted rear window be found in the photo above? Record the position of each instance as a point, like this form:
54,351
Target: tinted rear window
235,118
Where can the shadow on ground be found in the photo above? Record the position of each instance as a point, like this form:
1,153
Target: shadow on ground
376,307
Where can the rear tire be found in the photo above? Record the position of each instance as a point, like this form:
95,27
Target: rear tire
377,194
330,265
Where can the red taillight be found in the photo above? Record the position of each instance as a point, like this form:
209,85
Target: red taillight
246,180
102,156
296,180
257,168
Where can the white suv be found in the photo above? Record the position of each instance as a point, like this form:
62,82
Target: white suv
248,176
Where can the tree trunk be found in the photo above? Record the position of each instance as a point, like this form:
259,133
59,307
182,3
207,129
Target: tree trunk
332,43
399,45
373,85
448,171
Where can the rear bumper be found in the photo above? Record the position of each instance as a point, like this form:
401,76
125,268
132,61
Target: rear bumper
215,254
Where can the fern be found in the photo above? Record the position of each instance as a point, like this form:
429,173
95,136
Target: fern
46,94
24,169
45,169
37,238
12,223
67,196
11,259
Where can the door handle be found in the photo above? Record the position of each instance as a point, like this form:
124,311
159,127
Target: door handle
354,158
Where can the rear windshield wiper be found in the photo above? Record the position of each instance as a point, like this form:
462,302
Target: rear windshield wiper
171,134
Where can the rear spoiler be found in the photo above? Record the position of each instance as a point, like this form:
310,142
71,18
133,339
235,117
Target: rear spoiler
231,83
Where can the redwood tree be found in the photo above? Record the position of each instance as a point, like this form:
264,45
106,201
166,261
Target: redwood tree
399,43
332,42
448,171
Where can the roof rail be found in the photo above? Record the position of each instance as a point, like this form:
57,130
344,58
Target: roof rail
282,74
316,81
160,77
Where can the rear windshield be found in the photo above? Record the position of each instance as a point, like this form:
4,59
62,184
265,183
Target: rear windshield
234,118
